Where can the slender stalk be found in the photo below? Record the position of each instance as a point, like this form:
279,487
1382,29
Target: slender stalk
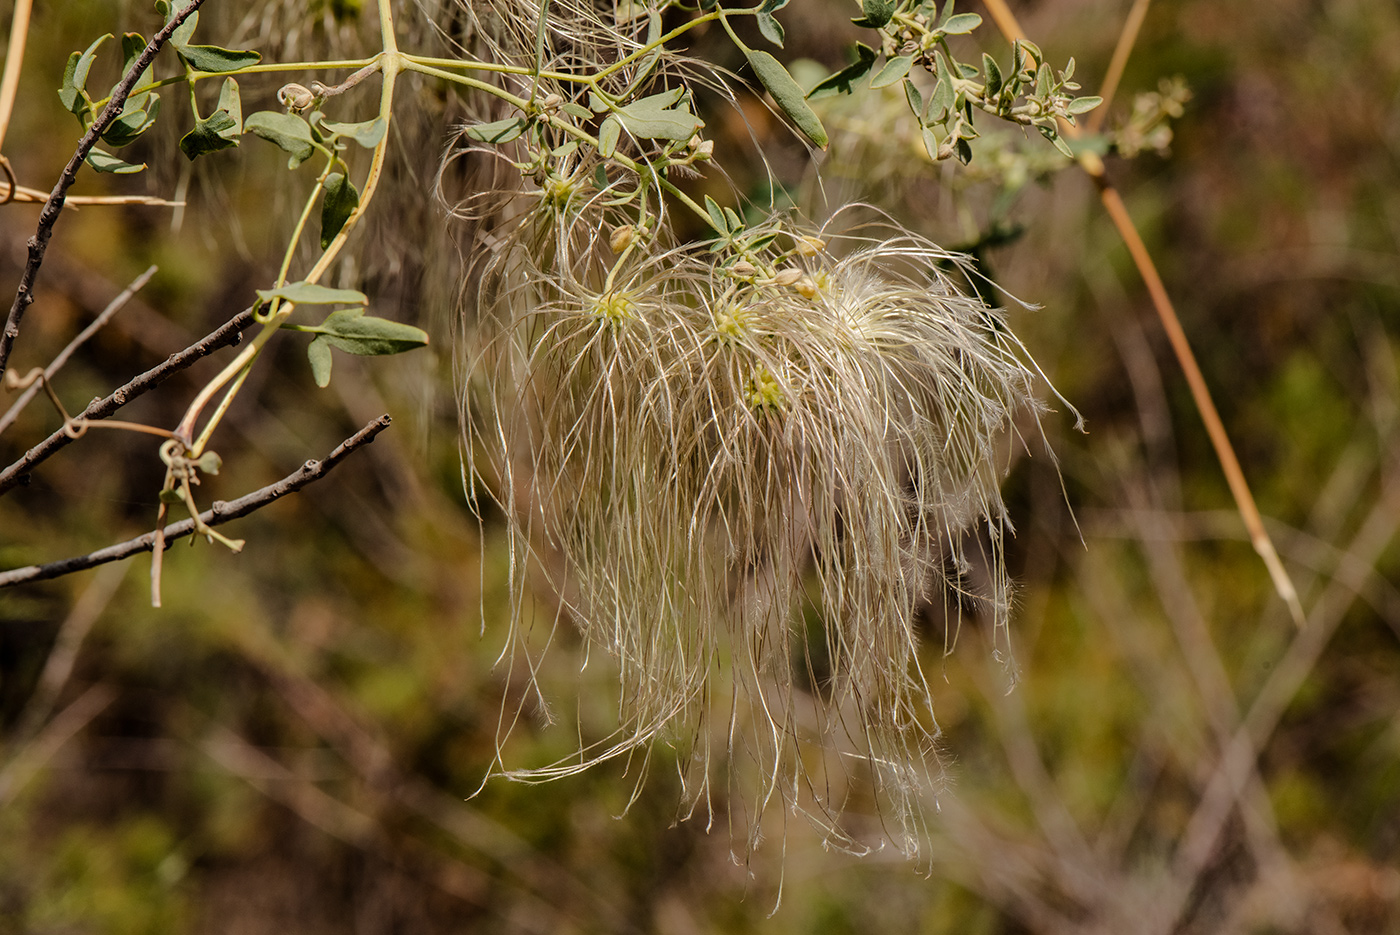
1181,347
1126,40
14,59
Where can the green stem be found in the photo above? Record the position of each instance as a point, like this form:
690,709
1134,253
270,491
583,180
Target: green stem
391,63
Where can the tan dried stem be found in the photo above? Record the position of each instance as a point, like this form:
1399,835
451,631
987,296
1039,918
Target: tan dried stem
14,59
1126,40
1181,347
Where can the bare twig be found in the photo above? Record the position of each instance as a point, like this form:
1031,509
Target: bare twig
112,308
227,334
39,243
221,512
1200,392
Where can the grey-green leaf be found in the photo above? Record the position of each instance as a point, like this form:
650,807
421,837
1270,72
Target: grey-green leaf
498,131
288,132
877,13
788,95
210,135
770,28
993,76
915,99
75,75
354,332
608,134
367,133
132,123
655,117
211,58
1082,105
895,70
309,293
844,80
717,220
319,353
340,201
961,24
105,162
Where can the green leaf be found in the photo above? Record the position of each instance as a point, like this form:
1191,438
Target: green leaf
844,80
133,44
993,77
915,99
788,95
169,9
768,24
309,293
288,132
354,332
961,25
770,28
877,13
717,220
654,117
608,134
75,75
1043,77
895,70
367,133
132,123
211,58
170,496
499,131
731,217
319,353
106,162
941,100
1051,134
209,135
930,143
577,111
340,201
1082,105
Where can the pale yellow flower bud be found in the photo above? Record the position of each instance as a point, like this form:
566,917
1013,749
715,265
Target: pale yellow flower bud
622,237
810,246
788,276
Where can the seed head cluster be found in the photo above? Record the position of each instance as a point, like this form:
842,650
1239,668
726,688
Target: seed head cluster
745,488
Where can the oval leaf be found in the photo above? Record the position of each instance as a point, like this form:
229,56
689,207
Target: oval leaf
309,293
340,201
367,133
106,162
288,132
895,70
961,24
788,95
354,332
319,353
608,135
844,80
211,58
500,131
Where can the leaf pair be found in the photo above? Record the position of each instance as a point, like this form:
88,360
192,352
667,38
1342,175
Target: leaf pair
346,329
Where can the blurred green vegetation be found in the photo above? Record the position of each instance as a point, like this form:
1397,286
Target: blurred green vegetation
296,740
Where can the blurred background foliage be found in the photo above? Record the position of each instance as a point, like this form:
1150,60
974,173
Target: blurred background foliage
291,743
